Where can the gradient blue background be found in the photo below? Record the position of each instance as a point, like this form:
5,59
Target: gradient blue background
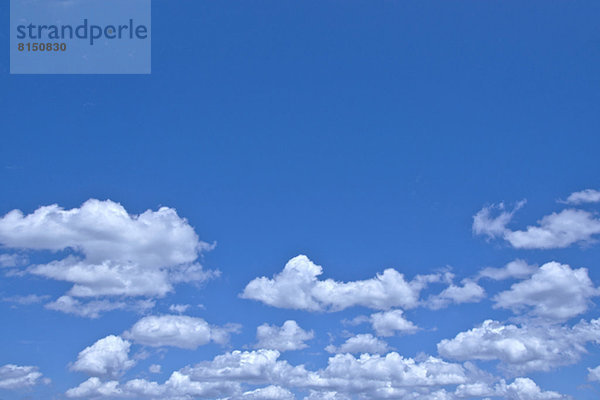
364,134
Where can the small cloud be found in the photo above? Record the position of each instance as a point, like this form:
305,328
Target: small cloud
154,368
179,308
25,300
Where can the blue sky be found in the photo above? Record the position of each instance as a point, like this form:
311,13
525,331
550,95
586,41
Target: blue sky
364,135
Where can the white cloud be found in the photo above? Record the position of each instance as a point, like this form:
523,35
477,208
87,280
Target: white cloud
557,230
469,292
18,377
177,331
525,348
519,389
388,323
361,343
287,337
344,377
271,392
26,299
108,357
594,374
93,309
178,308
518,269
322,395
298,287
584,196
177,387
554,292
12,260
114,253
486,224
155,368
95,388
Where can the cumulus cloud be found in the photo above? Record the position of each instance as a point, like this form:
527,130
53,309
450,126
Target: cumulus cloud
177,331
522,348
519,389
554,292
584,196
112,252
298,287
389,323
18,377
177,387
287,337
108,357
469,292
361,343
517,269
557,230
344,377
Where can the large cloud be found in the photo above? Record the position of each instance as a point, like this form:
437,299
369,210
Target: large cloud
113,253
557,230
287,337
18,377
344,377
298,287
522,348
108,357
554,292
177,331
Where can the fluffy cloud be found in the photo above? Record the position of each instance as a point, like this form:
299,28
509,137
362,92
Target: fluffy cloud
518,269
17,377
362,343
177,331
178,387
555,292
388,323
584,196
108,357
298,287
345,377
469,292
557,230
524,348
113,253
519,389
287,337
